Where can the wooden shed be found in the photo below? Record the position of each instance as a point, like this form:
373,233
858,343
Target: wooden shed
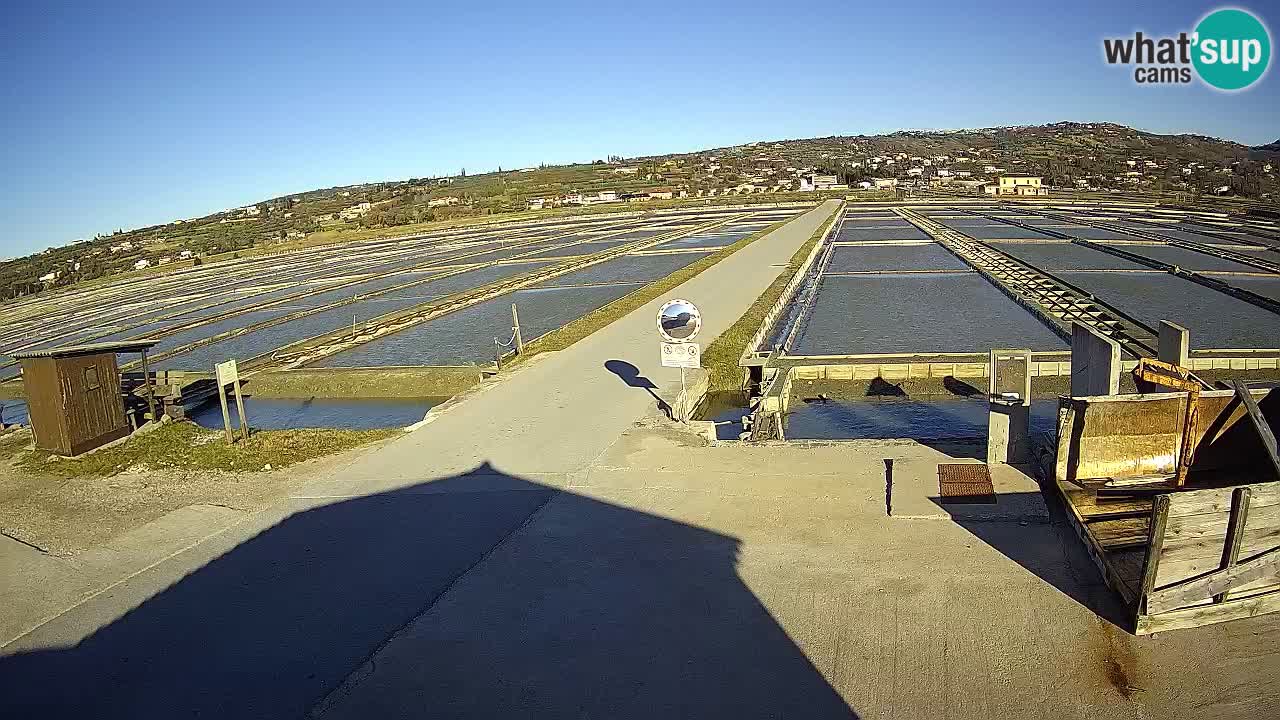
73,395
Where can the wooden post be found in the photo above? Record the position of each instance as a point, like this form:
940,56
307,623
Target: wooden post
1259,425
1235,533
151,394
226,373
226,416
515,328
1155,545
244,422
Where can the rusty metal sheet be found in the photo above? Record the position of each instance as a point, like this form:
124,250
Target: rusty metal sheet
965,482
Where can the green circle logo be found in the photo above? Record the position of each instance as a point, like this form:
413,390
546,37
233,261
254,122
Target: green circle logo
1232,49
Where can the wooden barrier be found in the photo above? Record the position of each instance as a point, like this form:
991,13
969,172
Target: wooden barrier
1178,559
1213,555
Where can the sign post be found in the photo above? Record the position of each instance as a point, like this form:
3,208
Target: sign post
515,330
678,323
226,373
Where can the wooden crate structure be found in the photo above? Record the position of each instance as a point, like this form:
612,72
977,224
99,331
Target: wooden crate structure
1206,554
73,395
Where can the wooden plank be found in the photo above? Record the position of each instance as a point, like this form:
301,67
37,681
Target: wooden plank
1257,587
1190,528
1121,532
1180,563
1092,507
1235,533
1150,565
1127,566
1091,546
1213,583
1218,500
1208,614
1259,424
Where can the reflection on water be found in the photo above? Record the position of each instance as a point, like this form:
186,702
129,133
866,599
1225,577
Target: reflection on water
921,418
292,414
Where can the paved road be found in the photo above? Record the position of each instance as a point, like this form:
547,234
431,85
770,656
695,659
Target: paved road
267,617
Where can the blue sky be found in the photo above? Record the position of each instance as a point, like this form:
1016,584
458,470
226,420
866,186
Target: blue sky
120,115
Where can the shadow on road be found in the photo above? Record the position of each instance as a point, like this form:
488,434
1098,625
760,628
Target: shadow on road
1049,550
630,374
529,602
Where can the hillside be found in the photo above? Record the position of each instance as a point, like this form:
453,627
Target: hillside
1088,156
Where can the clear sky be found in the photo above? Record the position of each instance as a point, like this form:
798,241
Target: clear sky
120,115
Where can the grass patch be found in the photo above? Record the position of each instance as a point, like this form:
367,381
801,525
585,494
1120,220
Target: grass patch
12,443
187,446
721,357
567,335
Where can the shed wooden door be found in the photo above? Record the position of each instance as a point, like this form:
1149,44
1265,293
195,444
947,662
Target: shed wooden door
91,396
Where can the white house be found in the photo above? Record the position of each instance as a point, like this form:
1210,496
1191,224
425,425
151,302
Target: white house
142,264
810,183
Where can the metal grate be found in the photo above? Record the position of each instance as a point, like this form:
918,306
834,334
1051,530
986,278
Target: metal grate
965,482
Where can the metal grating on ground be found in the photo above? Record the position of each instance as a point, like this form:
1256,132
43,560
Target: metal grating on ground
965,482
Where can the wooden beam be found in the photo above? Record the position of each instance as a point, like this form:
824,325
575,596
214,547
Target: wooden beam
1213,583
1259,424
151,393
1155,544
1235,532
1206,614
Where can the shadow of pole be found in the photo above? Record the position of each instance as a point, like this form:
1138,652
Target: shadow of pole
630,374
506,598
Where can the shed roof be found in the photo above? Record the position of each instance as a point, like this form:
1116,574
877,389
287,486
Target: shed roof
127,346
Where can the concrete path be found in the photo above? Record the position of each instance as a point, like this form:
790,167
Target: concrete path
672,580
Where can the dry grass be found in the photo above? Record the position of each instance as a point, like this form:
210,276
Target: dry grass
721,357
66,505
187,446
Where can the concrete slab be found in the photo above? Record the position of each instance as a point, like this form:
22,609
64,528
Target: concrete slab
52,586
642,587
915,495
